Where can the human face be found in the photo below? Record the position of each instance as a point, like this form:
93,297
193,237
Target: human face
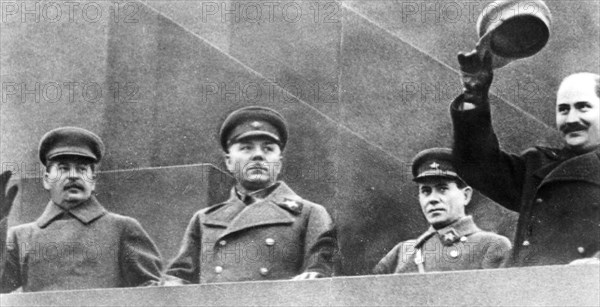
70,180
578,112
254,162
442,201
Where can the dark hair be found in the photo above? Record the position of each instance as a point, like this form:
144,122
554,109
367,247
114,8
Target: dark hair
460,184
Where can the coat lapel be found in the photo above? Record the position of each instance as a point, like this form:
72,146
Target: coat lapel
236,216
50,213
585,167
222,215
259,214
86,212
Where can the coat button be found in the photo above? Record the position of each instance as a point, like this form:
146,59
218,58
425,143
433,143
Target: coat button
453,253
539,200
526,243
463,239
222,242
264,271
581,250
218,269
270,241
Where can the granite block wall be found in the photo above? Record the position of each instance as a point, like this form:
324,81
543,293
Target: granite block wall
365,85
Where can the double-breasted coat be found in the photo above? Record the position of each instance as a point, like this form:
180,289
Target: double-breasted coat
277,237
84,248
556,191
459,246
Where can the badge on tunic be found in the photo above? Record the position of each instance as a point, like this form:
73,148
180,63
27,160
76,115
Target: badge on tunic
292,205
449,237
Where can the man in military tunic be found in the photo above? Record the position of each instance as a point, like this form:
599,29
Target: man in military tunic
264,230
555,190
453,241
76,243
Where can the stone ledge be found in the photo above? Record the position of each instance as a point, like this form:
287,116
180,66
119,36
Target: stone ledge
540,286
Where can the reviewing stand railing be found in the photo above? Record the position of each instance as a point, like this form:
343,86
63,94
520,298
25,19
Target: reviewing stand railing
551,285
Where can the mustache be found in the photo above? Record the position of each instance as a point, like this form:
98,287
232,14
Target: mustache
257,166
572,127
76,185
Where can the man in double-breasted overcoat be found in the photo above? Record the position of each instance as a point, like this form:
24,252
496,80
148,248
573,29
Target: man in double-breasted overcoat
264,230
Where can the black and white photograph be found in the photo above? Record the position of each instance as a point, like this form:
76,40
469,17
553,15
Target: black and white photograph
300,153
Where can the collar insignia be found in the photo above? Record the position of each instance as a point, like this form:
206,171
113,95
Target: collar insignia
291,205
449,237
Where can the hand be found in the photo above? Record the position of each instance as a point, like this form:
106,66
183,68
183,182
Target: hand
308,275
476,75
172,281
6,197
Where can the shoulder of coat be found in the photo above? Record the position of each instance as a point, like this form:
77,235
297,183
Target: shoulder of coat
212,208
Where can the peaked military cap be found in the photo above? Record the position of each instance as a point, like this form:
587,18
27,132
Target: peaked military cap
434,162
253,121
513,29
70,141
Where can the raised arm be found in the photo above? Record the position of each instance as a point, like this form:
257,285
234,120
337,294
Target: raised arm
477,154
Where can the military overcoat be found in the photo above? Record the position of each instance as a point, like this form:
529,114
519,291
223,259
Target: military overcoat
459,246
86,247
555,191
278,237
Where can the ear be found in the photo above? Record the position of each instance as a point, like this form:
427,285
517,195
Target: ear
94,177
228,163
468,192
93,182
46,181
280,164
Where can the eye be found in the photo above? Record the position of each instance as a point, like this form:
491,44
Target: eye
442,188
583,106
425,190
563,109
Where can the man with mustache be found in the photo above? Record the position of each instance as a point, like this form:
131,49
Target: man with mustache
453,241
264,231
76,243
555,190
